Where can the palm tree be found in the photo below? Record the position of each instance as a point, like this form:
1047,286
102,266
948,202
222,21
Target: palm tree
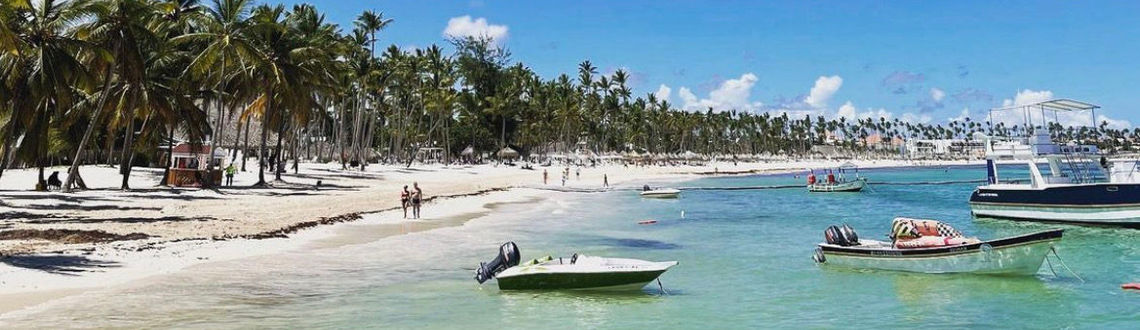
41,72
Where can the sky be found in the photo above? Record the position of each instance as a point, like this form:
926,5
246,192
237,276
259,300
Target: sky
919,61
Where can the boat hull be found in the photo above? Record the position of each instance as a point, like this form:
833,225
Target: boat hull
1096,204
853,186
662,193
1021,255
632,280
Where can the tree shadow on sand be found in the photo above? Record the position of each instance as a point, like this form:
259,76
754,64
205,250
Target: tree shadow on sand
58,264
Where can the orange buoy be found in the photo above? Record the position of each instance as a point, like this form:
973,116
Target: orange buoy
647,222
1130,286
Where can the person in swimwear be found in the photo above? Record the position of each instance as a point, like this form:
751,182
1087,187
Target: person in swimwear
417,199
405,197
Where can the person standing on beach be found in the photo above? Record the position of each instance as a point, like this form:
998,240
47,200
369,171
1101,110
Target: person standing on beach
230,170
578,173
417,199
405,198
545,176
605,181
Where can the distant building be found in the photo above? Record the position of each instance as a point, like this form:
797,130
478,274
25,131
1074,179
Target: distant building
945,148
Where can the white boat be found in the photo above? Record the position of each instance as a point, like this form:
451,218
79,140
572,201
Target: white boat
577,272
661,193
1042,181
837,180
849,186
1018,255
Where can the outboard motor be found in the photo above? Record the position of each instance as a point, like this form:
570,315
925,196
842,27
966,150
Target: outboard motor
841,235
508,257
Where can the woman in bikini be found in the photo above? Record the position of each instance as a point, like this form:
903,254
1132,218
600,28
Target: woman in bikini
404,199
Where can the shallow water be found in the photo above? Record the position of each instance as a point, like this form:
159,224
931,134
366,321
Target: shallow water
744,263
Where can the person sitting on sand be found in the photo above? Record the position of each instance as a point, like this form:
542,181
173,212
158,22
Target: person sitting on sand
405,197
53,182
417,199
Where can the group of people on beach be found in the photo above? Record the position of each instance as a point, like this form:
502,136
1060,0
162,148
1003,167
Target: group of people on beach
413,198
577,175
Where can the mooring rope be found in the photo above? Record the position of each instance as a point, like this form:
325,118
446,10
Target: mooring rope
1054,249
770,187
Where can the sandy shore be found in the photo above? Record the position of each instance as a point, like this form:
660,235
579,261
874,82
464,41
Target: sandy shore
184,227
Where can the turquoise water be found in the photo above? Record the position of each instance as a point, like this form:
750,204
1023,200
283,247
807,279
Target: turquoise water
744,263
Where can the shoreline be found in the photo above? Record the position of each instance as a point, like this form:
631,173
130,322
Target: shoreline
140,259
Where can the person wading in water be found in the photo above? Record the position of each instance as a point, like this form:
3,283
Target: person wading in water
417,199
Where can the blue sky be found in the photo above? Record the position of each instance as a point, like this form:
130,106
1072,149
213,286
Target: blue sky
917,60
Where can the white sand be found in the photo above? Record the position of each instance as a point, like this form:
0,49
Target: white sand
183,221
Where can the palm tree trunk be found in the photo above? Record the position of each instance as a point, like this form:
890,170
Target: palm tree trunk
264,136
74,170
277,154
128,142
169,157
9,139
245,146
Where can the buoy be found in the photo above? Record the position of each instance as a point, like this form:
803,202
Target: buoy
1130,286
647,222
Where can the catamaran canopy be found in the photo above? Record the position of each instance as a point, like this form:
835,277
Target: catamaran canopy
1053,105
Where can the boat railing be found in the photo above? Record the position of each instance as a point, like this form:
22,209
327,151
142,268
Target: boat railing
1081,168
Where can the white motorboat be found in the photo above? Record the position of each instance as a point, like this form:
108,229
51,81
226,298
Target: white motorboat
1017,255
577,272
660,193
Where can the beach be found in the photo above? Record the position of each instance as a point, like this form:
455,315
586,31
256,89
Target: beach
156,230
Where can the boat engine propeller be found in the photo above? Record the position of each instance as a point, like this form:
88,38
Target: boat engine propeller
508,257
841,235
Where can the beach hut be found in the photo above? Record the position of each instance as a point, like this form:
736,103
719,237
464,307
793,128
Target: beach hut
190,167
507,153
467,155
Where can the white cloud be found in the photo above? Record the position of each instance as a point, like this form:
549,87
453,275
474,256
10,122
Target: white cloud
731,94
1074,118
961,116
1027,96
663,93
687,96
916,118
824,88
1113,123
937,94
464,26
848,110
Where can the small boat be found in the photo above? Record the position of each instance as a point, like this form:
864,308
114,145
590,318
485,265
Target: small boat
849,186
577,272
837,183
660,193
1017,255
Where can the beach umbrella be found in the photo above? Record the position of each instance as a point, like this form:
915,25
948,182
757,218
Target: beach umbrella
467,151
508,153
689,155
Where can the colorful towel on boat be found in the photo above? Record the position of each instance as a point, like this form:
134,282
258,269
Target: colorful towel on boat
907,228
931,241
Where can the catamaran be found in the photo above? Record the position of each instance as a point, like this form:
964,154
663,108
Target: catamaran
1038,180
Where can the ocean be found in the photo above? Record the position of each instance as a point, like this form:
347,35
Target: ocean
744,262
